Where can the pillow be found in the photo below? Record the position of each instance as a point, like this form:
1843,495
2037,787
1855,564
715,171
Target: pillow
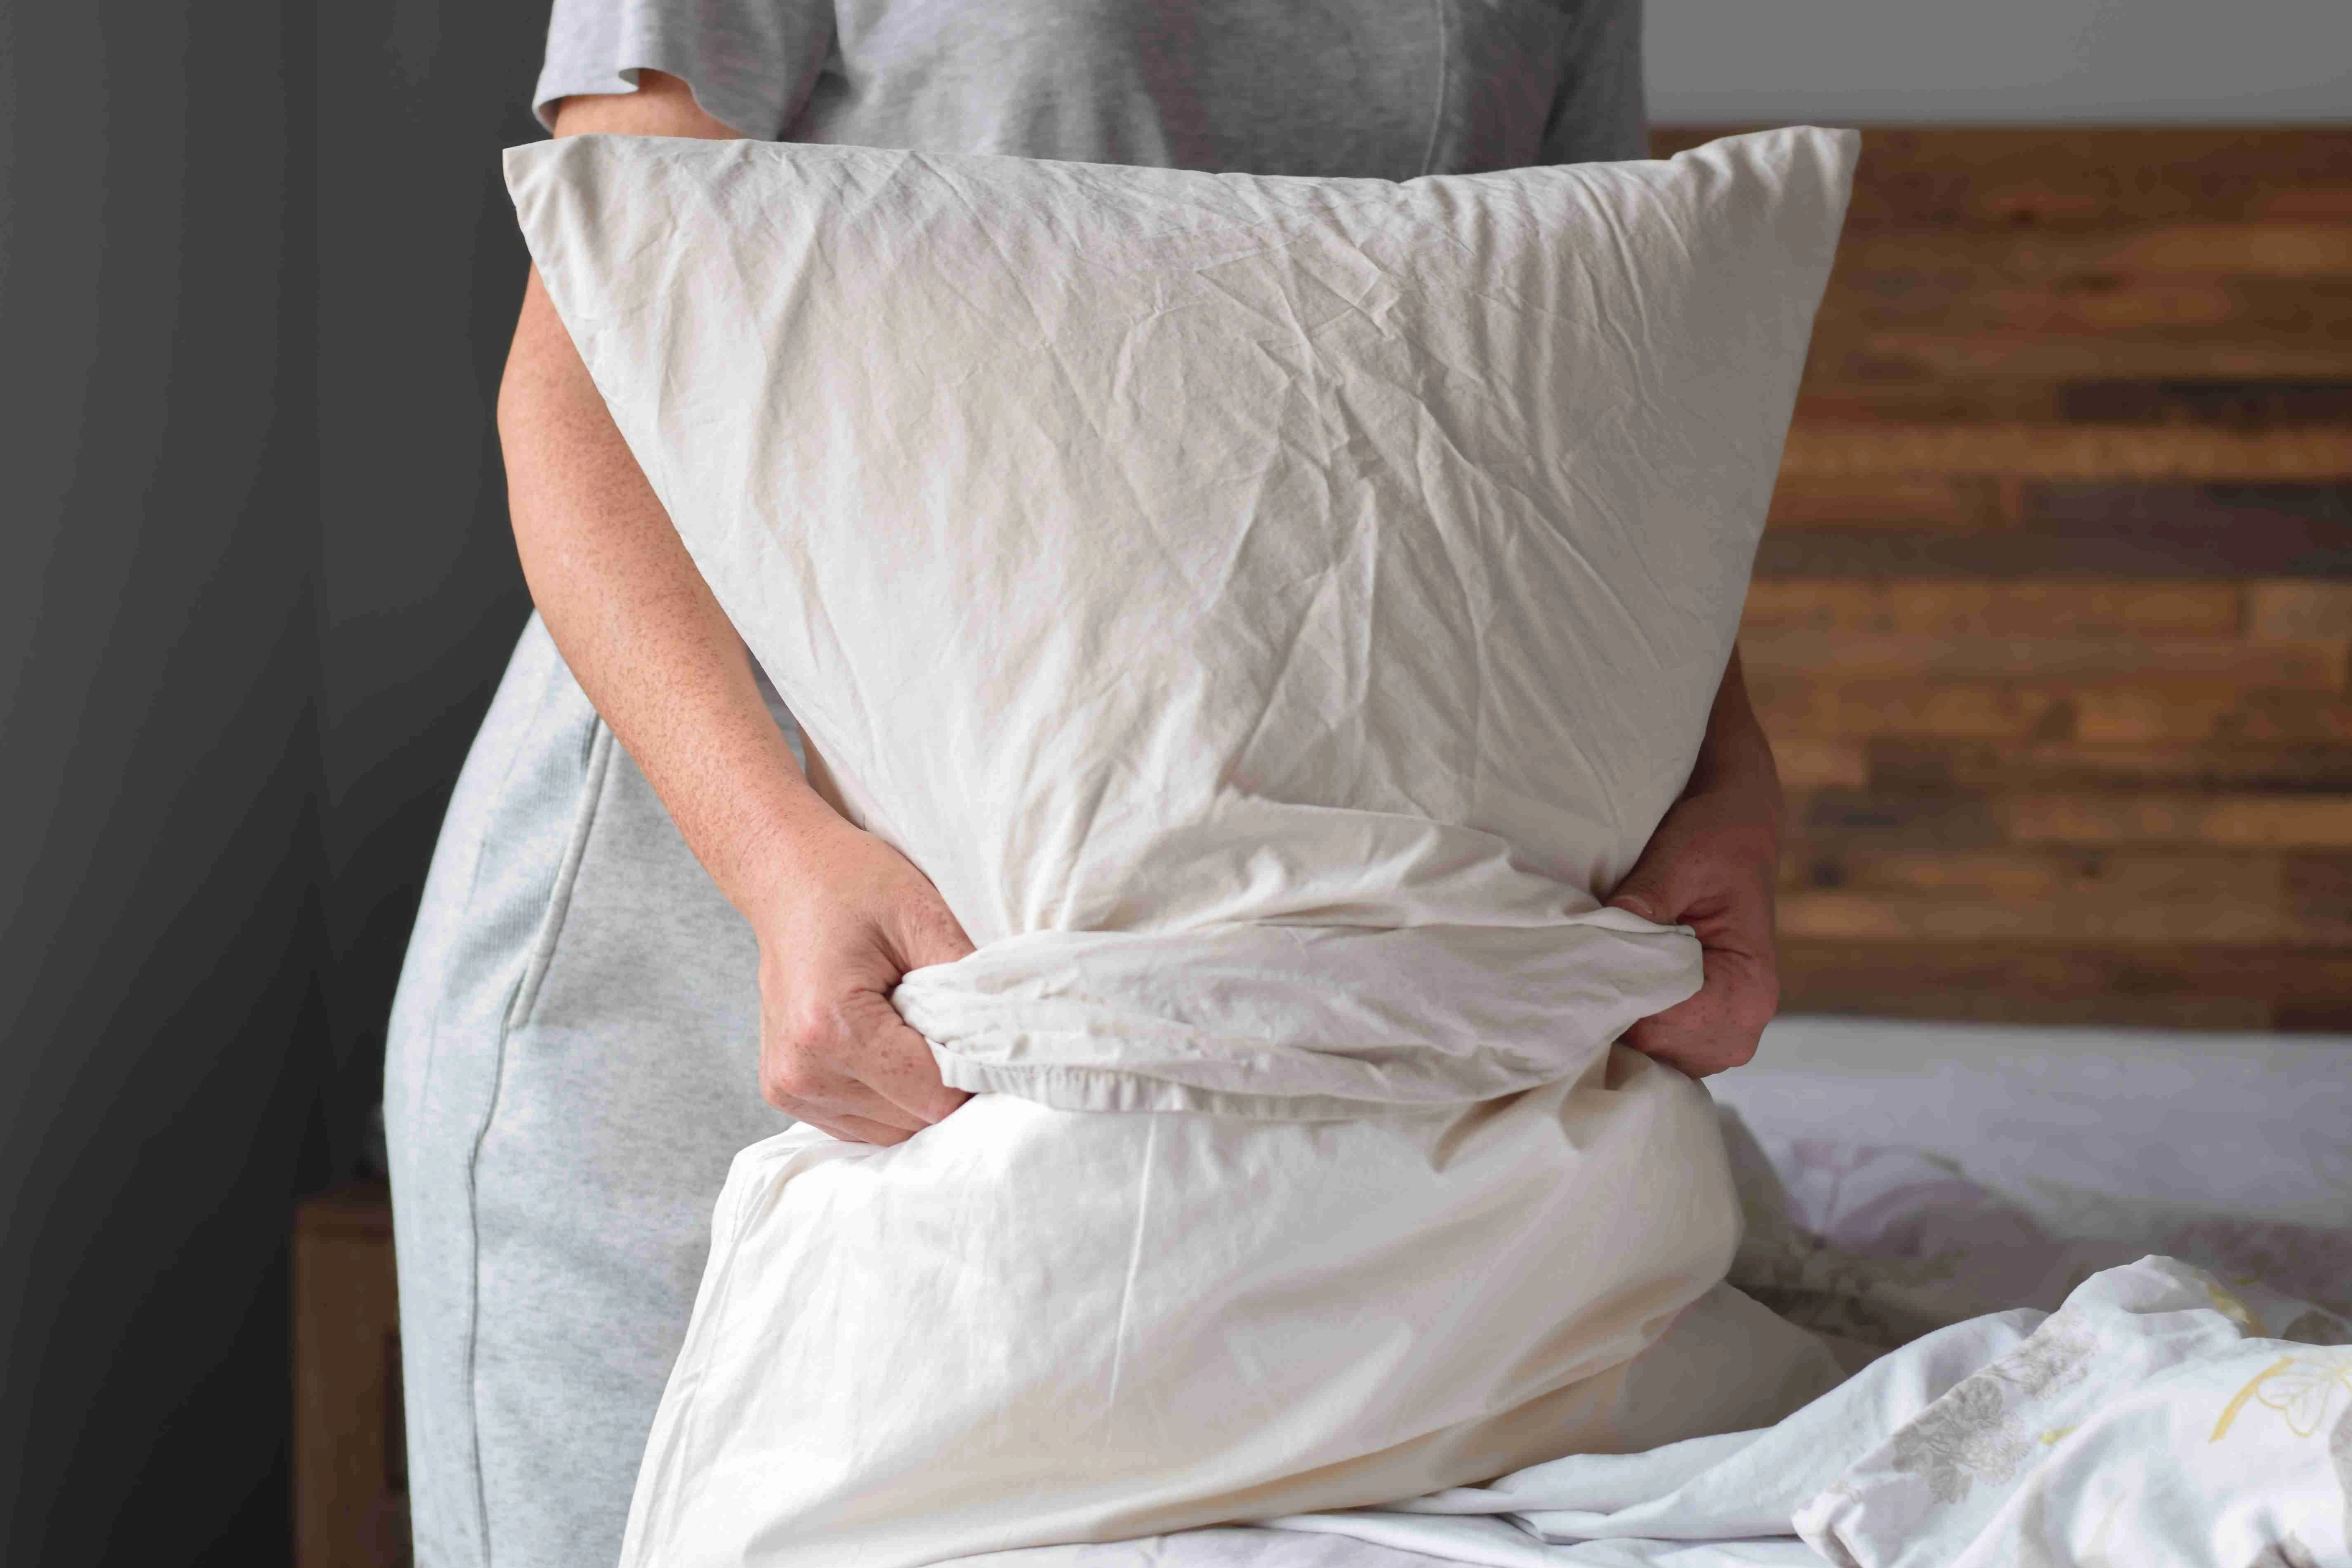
1273,612
1152,552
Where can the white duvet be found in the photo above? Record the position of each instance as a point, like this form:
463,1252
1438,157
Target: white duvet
2159,1418
1273,612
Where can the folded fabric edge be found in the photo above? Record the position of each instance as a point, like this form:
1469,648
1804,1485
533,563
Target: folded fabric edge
1065,1087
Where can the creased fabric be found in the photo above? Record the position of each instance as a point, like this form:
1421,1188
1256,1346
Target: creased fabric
1273,611
1152,552
2160,1417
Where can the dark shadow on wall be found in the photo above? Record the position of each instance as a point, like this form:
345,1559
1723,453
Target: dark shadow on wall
421,272
255,588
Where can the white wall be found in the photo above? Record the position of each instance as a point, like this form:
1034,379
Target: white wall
1862,61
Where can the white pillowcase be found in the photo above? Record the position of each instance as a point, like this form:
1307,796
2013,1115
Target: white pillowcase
1273,612
1152,553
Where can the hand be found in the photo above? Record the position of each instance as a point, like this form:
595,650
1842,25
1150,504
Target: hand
1710,865
851,916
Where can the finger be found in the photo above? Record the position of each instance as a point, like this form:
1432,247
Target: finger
1652,889
851,1129
931,935
896,1062
804,1084
1718,1027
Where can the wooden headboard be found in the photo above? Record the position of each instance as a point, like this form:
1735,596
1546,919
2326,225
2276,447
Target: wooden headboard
2051,624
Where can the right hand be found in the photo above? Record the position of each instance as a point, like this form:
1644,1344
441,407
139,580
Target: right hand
852,915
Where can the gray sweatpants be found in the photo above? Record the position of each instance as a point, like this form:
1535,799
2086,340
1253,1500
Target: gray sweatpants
572,1067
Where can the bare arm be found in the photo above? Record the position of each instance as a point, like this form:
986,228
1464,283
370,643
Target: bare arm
839,914
1711,866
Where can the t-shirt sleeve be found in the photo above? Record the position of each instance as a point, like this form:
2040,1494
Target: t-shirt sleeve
751,63
1600,112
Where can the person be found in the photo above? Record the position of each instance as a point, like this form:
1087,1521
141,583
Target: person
647,938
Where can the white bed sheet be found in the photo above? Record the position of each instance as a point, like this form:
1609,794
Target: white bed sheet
2255,1126
1906,1176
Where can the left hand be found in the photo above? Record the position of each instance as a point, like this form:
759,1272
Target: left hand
1710,865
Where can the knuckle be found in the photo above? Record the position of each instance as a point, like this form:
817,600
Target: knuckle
807,1036
785,1081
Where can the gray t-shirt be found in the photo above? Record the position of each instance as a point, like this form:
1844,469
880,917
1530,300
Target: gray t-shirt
1385,89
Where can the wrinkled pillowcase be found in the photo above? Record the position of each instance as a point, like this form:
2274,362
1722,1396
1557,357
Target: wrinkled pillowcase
1273,611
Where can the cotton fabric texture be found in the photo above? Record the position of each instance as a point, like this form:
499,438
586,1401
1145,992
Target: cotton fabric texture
1316,87
1272,611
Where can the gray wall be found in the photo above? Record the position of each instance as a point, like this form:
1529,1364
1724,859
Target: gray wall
1860,61
420,274
160,869
255,587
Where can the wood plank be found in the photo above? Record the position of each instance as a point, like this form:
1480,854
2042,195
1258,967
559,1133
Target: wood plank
2206,711
2242,821
2317,890
2241,404
2118,897
1845,387
2035,874
2290,612
1965,607
1809,497
1824,448
2077,767
2005,179
2232,349
2189,987
2109,531
2052,628
1867,655
1895,325
1944,710
2030,712
2315,201
2297,250
1923,267
1849,818
2215,921
2231,508
1806,763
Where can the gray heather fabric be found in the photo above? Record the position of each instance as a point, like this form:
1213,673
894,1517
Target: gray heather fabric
574,1046
1383,88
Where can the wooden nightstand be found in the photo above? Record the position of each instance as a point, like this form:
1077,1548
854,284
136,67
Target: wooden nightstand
351,1457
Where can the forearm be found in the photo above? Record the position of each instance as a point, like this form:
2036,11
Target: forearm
1711,865
633,618
623,602
1736,755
